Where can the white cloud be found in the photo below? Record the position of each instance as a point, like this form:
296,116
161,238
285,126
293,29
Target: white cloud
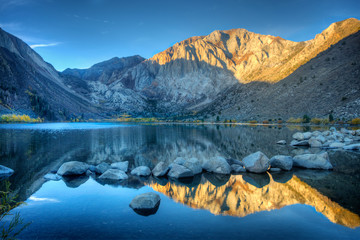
44,45
36,199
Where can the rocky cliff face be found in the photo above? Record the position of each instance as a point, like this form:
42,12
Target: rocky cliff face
29,84
194,72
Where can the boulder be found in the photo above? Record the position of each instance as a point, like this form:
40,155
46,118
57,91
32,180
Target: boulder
321,138
160,169
313,142
217,165
316,134
5,172
141,171
113,174
52,176
72,168
256,162
299,136
123,166
307,135
281,161
281,142
299,143
102,167
236,168
179,171
315,161
352,147
336,145
146,204
326,133
357,132
194,165
180,160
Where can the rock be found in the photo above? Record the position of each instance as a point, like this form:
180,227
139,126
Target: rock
315,161
344,131
141,171
5,172
92,168
146,204
326,133
336,145
307,135
113,174
102,167
357,132
90,173
314,143
160,169
281,142
332,129
236,168
217,165
232,161
299,143
348,140
282,162
123,166
298,136
352,147
256,162
179,171
194,165
321,138
180,160
73,168
275,170
316,134
52,176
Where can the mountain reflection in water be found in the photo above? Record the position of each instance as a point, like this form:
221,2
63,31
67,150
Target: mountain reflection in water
32,153
240,198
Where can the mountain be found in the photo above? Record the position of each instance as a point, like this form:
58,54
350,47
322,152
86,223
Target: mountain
30,85
192,74
233,74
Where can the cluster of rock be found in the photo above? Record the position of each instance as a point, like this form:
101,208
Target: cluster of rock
332,139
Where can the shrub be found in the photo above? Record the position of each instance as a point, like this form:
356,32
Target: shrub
294,120
280,121
8,118
252,121
265,122
316,120
331,117
355,121
306,119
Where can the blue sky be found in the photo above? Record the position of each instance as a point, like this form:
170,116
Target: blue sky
80,33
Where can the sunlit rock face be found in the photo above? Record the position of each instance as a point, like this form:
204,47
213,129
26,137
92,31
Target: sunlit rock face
240,198
193,72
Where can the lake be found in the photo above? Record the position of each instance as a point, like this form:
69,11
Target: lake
299,204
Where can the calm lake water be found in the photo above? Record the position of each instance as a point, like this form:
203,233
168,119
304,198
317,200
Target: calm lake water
300,204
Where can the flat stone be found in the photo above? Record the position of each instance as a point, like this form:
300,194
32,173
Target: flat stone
52,176
315,161
114,174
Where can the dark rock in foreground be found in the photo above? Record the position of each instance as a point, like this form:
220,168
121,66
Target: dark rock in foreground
146,204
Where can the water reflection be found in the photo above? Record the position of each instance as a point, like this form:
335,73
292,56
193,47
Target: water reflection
34,153
246,194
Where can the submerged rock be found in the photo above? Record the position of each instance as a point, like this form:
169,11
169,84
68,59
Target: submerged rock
141,171
217,165
52,176
315,161
114,174
282,162
179,171
161,169
73,168
123,166
256,162
146,204
5,172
